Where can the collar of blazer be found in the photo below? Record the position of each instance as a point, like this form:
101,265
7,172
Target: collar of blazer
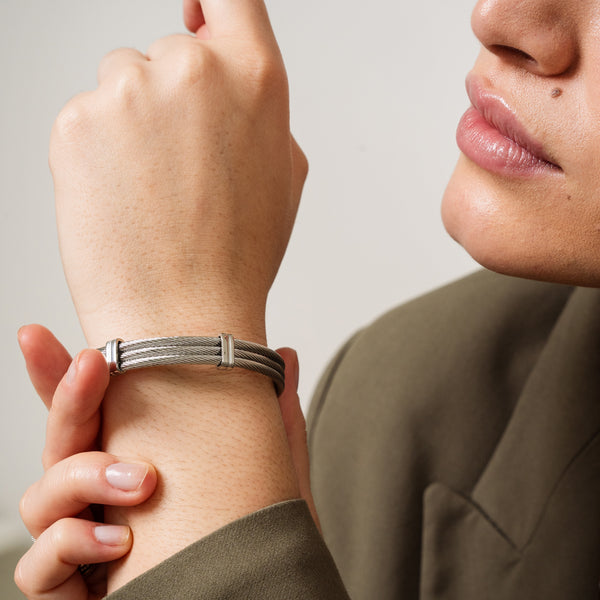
556,420
530,528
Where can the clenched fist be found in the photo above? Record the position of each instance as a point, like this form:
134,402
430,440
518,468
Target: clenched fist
177,181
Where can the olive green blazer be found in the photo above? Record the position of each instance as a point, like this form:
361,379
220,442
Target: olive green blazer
455,456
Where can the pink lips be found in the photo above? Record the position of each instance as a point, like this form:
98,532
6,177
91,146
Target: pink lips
490,135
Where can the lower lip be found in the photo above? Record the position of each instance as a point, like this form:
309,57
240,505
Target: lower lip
488,148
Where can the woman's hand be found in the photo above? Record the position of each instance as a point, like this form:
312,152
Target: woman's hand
295,428
177,181
56,510
77,475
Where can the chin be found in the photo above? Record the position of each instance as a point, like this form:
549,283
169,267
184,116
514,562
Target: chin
517,229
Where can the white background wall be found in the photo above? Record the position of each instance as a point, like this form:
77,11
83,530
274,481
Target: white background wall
377,91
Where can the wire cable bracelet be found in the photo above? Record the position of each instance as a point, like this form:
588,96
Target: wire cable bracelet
224,352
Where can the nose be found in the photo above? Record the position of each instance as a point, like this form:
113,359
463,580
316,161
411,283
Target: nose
537,35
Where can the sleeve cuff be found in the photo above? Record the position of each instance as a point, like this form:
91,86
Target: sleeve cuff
276,552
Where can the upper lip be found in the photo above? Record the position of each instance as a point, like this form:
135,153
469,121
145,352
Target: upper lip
497,112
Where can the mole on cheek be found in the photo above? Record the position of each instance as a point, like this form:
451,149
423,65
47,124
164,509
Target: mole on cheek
556,92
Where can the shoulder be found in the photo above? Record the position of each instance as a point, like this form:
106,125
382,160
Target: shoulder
421,395
463,349
477,310
479,318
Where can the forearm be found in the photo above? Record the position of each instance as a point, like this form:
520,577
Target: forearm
177,183
219,446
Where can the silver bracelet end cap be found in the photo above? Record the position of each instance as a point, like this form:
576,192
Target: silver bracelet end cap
112,355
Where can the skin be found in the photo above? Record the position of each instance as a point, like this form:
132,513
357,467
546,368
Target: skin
194,232
183,134
548,227
55,509
74,476
205,225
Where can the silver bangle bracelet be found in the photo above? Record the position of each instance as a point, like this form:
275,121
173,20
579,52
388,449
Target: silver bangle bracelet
224,352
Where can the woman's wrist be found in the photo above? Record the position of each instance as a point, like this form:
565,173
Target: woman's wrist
218,443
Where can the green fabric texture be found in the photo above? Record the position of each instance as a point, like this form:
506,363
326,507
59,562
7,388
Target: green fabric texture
273,553
8,561
454,446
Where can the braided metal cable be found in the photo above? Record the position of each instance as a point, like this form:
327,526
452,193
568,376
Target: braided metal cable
123,356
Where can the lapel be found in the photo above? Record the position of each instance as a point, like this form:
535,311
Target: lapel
556,418
531,526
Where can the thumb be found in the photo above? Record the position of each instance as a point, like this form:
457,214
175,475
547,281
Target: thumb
295,428
229,17
193,17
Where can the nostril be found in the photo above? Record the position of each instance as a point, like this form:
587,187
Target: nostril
509,52
534,35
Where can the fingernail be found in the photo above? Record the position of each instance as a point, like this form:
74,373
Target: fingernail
112,535
72,371
126,477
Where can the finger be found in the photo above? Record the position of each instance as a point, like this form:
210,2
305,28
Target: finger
45,358
116,61
193,16
295,428
49,569
225,18
78,481
74,419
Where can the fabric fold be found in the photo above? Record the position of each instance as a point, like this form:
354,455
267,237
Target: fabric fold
556,417
466,555
276,552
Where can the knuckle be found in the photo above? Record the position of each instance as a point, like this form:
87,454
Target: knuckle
72,473
21,581
58,536
190,57
24,505
107,60
130,81
72,119
80,474
195,64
